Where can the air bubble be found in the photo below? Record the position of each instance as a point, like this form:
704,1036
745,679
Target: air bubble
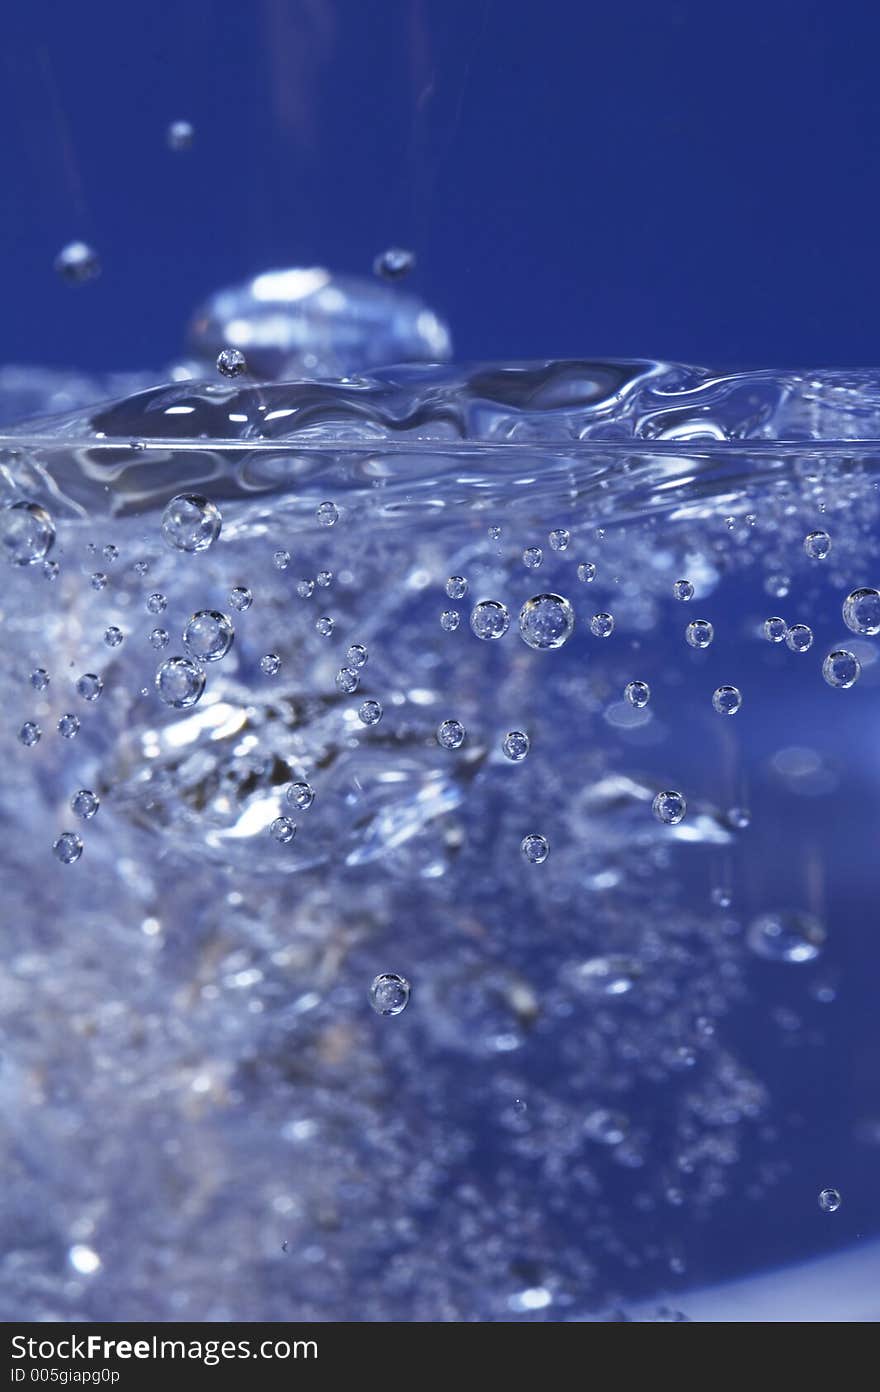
775,630
559,539
841,668
300,795
68,726
586,572
817,545
829,1200
394,263
27,533
89,686
67,848
637,693
191,523
799,638
532,557
515,746
85,804
683,590
791,936
180,682
370,713
240,598
450,734
490,620
700,633
208,635
270,665
669,807
861,612
727,700
456,587
546,621
77,263
535,848
449,620
327,515
389,994
602,625
30,734
283,829
113,636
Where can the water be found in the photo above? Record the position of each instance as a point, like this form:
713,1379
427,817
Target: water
263,854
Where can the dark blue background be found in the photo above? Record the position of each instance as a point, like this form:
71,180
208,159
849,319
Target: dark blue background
686,180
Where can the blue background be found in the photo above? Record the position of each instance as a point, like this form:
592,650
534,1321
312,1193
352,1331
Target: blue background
686,180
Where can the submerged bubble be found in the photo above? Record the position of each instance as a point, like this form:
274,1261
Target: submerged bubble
191,523
327,515
450,734
830,1200
27,533
559,539
300,795
535,848
637,693
240,598
394,263
389,993
89,686
98,581
283,829
456,587
607,976
739,817
324,578
159,637
861,612
347,680
208,635
817,545
489,620
683,589
449,620
775,630
270,665
324,626
532,557
602,625
727,700
370,713
85,804
180,136
68,726
156,603
586,572
305,588
700,633
180,682
110,552
67,848
789,936
77,263
231,362
516,746
30,734
281,560
669,807
841,668
799,638
39,679
546,621
356,656
113,636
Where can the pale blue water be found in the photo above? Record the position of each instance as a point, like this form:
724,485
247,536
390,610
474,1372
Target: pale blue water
637,1045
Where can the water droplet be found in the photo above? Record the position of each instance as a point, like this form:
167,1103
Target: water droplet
829,1200
324,626
790,936
68,726
67,848
113,636
270,665
516,746
841,668
532,557
817,545
180,682
799,638
241,598
180,136
89,686
602,625
191,523
559,539
27,533
208,635
546,621
300,796
669,807
39,679
489,620
389,994
727,700
85,804
700,633
77,263
394,263
535,848
231,362
449,620
683,589
775,630
586,572
30,734
450,734
283,829
156,603
370,713
861,612
327,515
638,693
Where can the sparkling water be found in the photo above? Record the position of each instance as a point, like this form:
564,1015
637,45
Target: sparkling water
634,940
